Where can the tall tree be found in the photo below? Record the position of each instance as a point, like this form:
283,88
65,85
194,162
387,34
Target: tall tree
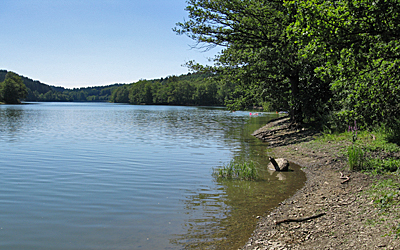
259,56
12,90
360,41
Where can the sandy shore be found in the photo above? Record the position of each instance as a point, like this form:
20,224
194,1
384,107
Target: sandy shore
348,218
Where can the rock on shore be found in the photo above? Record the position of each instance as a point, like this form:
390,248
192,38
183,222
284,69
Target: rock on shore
351,220
279,164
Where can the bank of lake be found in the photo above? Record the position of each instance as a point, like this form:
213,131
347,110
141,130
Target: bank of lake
358,210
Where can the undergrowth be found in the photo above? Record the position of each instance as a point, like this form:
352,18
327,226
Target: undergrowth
385,193
376,153
386,196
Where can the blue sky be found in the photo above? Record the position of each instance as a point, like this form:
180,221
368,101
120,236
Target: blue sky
80,43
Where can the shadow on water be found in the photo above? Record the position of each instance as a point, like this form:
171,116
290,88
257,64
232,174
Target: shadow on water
228,220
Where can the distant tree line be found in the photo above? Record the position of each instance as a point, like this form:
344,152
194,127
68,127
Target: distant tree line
40,92
188,89
197,89
88,94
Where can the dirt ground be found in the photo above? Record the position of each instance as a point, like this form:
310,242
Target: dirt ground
348,218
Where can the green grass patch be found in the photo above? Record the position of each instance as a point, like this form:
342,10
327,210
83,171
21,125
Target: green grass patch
385,193
381,141
237,170
355,156
381,166
371,151
332,137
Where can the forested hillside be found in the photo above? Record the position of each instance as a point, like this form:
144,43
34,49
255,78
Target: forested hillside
41,92
189,89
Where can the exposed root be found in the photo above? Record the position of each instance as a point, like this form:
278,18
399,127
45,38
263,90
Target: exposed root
299,220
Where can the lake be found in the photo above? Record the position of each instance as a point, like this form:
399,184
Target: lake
113,176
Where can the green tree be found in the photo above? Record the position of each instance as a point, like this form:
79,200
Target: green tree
259,57
360,41
12,90
141,92
120,95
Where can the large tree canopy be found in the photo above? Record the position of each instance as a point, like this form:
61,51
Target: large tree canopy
360,41
12,90
314,57
259,56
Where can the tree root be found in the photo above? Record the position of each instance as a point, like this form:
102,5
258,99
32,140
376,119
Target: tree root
299,220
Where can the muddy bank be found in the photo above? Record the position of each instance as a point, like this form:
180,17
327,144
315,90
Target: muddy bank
347,217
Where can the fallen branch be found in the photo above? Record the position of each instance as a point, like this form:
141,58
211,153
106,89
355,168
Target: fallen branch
299,220
342,176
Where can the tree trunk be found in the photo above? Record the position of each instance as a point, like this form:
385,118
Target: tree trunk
296,114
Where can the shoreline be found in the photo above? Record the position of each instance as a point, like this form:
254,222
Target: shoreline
349,217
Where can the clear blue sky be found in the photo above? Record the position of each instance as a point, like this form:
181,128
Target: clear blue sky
79,43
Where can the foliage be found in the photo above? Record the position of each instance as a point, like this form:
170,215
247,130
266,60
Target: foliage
359,40
37,91
12,89
316,58
385,193
190,89
237,170
120,95
259,58
393,132
380,166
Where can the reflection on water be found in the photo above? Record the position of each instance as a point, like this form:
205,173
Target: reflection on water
106,176
10,120
228,221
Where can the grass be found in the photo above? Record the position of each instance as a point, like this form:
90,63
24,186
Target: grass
355,157
385,193
381,166
376,153
386,196
333,137
238,171
373,152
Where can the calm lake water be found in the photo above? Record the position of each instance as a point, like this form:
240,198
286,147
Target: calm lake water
109,176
